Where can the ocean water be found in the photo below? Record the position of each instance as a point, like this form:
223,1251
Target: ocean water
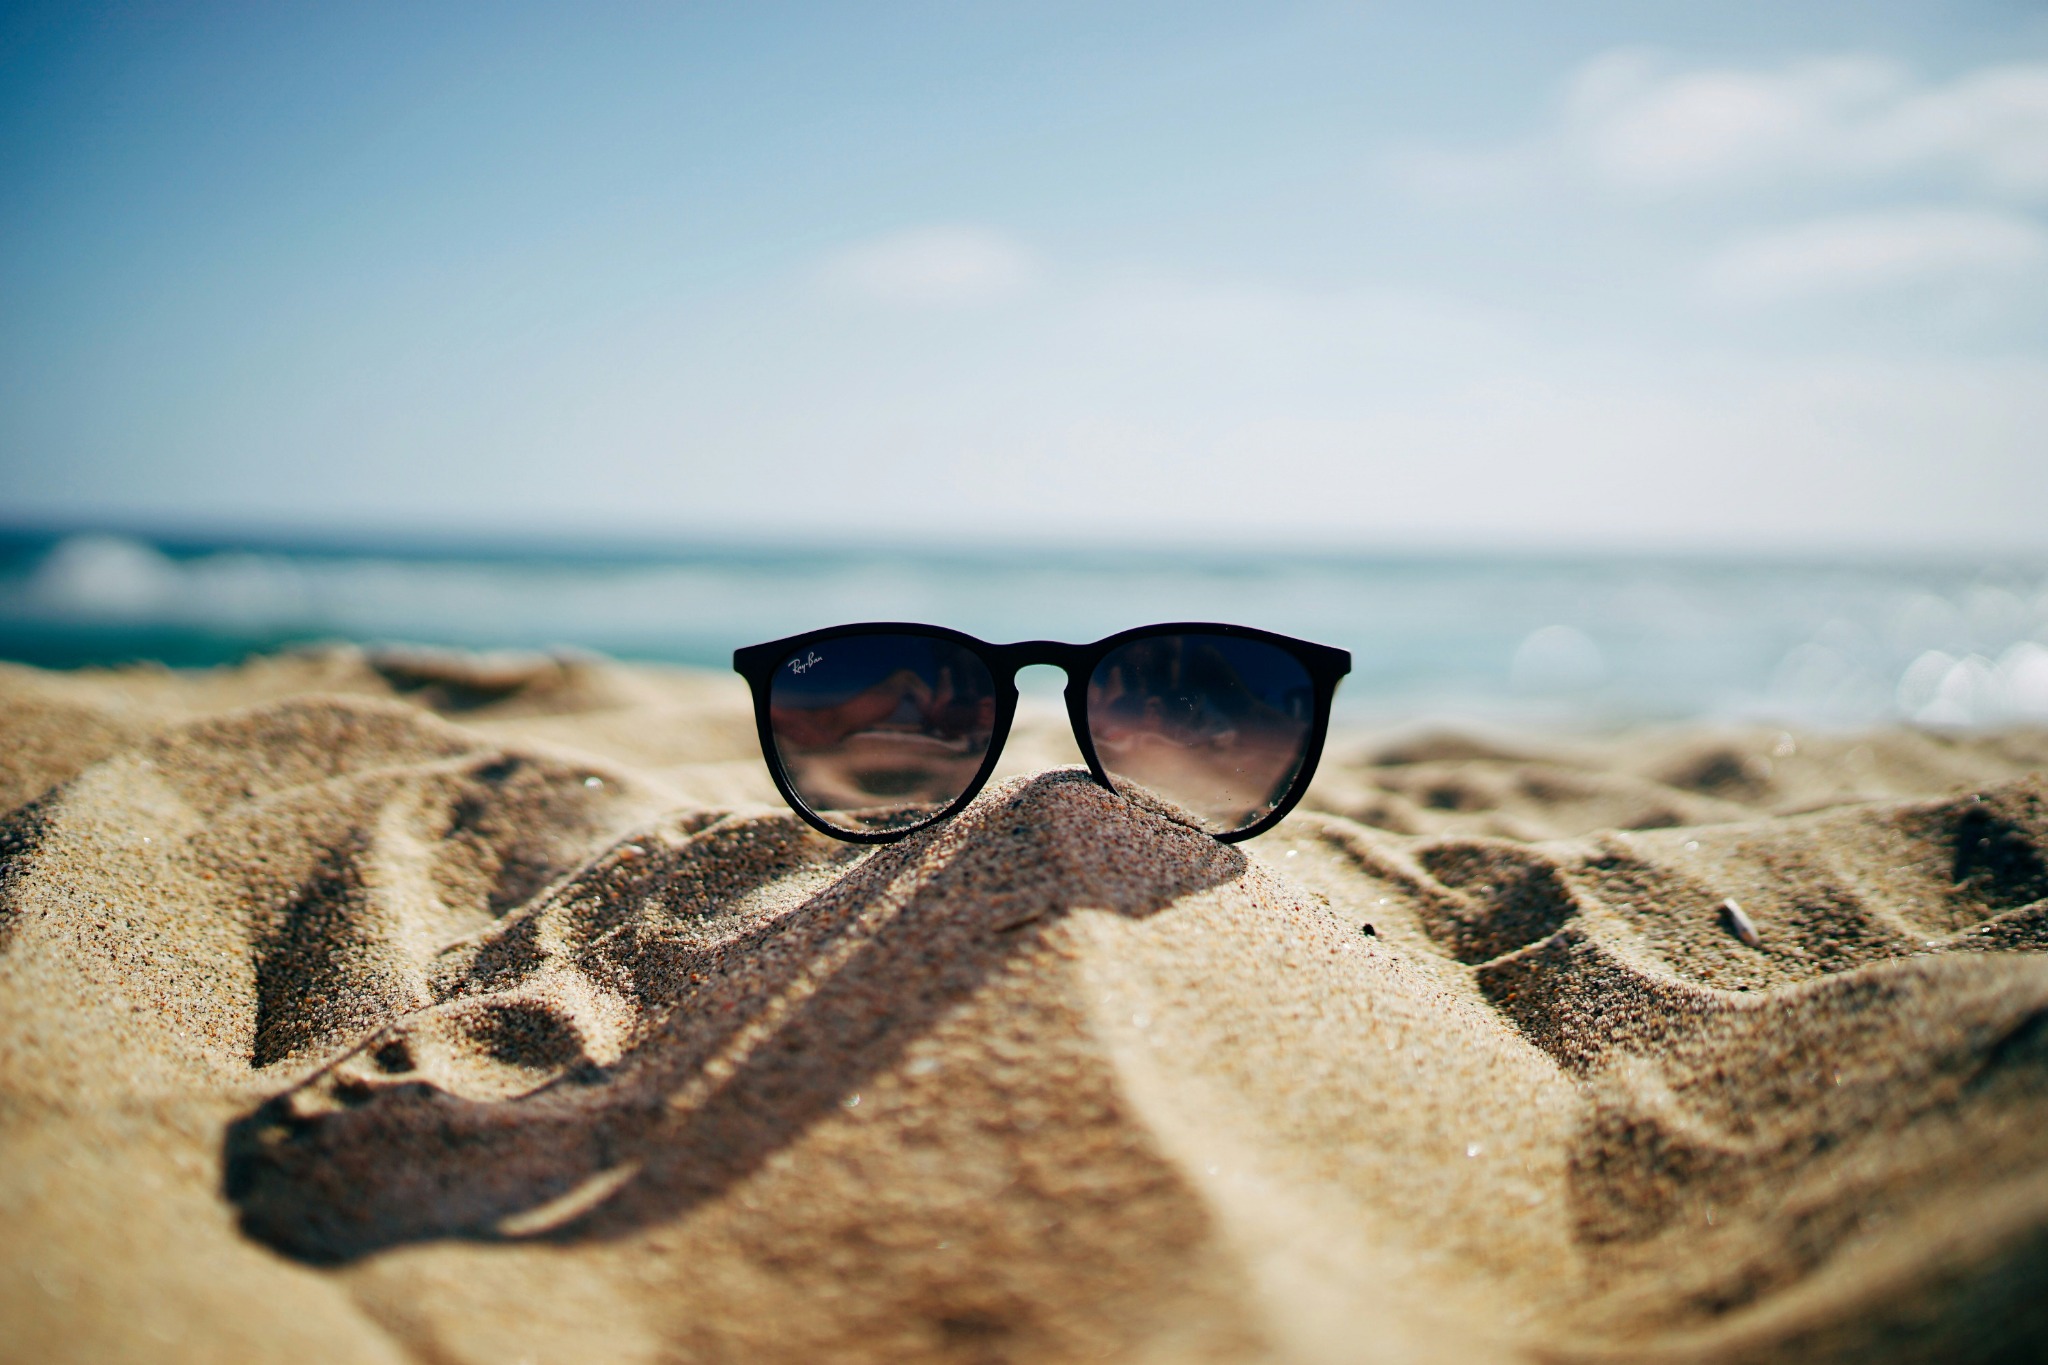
1575,642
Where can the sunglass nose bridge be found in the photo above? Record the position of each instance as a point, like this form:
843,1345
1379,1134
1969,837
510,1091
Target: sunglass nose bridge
1067,658
1040,680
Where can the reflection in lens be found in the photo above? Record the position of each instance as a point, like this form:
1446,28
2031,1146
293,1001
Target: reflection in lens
881,732
1215,724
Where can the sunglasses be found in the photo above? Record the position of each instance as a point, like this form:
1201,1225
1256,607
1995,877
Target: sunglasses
874,731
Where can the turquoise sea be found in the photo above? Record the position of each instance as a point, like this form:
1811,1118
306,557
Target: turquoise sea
1573,641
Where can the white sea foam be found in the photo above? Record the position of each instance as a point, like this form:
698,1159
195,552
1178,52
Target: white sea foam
1569,642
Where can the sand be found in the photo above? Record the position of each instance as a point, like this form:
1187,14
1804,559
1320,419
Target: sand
422,1008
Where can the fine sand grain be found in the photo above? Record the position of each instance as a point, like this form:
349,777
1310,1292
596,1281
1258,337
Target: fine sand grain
429,1008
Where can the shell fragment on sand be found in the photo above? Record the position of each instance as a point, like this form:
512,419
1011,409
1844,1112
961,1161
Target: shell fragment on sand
1738,923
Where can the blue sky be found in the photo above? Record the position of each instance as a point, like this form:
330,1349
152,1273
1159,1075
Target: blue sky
1468,275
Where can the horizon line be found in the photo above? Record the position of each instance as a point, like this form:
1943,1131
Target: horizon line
182,537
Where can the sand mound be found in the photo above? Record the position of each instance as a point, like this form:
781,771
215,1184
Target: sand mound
332,1029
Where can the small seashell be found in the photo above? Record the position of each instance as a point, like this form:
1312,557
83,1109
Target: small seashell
1368,931
1740,924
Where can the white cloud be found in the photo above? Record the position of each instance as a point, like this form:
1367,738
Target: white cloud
1870,252
1637,124
1633,120
939,266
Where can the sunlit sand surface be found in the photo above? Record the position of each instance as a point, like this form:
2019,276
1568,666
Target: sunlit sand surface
420,1008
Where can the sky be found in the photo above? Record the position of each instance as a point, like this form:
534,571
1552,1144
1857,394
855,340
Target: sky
1471,275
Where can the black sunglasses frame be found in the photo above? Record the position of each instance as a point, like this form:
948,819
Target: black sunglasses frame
757,664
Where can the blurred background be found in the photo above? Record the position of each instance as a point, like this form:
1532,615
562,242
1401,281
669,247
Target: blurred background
1572,364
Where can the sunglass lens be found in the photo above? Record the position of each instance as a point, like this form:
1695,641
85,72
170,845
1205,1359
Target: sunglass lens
881,732
1215,724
